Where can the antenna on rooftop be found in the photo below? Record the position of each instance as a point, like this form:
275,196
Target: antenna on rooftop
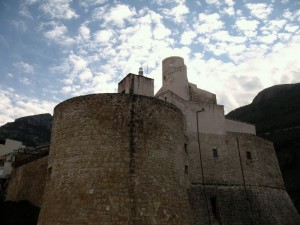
141,72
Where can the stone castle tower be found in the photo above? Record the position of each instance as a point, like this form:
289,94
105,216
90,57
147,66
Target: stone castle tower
132,158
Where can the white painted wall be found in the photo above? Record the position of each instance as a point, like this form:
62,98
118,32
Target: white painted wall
10,146
6,151
136,84
239,127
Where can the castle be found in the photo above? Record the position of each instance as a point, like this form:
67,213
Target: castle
138,159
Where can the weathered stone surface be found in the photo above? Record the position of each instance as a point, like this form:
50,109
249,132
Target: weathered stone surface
116,159
234,205
27,182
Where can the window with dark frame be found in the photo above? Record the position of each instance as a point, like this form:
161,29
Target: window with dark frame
248,154
215,152
186,169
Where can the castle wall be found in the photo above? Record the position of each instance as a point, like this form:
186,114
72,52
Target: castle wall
231,165
117,159
226,169
211,118
229,205
28,182
244,190
240,127
198,95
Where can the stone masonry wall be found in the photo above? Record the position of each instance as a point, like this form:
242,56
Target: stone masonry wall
231,165
262,206
241,190
116,159
28,182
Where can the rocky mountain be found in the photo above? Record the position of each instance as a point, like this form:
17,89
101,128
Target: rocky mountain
276,113
31,130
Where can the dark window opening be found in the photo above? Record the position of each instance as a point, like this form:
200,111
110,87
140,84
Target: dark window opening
186,169
185,148
165,99
2,142
249,156
213,202
123,92
215,152
164,77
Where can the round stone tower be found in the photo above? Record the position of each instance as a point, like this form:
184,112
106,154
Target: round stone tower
116,159
175,76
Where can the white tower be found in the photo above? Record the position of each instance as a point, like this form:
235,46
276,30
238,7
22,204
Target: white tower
174,77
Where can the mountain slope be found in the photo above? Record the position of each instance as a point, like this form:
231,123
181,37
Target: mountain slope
276,113
31,130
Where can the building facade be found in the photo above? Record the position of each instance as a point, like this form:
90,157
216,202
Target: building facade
138,159
7,148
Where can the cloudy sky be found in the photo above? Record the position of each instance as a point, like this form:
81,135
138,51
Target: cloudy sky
51,50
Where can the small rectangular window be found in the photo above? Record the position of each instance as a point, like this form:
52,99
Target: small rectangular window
186,169
249,156
215,152
185,148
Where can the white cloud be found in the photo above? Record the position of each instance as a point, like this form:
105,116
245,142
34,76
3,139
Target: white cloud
291,28
208,23
273,26
229,2
161,32
59,34
25,80
224,35
177,13
24,67
213,2
257,71
247,25
24,11
187,37
77,63
15,105
58,9
119,15
84,32
269,39
89,3
103,36
260,10
86,75
229,10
